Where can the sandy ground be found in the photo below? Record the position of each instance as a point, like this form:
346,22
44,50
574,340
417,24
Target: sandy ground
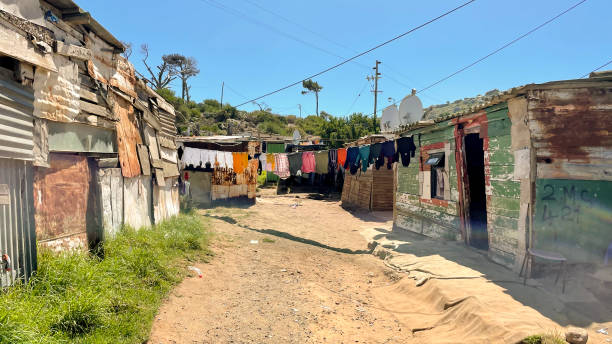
311,278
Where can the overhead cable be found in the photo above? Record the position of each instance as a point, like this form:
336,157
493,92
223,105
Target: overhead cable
596,69
362,53
503,46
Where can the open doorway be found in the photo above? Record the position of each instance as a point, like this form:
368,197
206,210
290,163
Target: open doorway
477,205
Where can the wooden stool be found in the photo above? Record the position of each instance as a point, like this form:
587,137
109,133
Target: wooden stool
552,256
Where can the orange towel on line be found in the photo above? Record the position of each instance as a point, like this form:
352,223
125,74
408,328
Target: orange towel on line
241,161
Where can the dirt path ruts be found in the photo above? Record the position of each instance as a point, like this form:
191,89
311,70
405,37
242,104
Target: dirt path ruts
307,280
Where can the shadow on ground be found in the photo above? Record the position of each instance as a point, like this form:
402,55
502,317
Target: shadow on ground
288,236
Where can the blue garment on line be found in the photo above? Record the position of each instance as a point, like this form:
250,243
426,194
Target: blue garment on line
352,154
364,157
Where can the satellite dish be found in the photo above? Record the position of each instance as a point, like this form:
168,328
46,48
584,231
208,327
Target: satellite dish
389,120
410,110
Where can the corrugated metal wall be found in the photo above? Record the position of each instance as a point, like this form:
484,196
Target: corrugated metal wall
16,120
17,230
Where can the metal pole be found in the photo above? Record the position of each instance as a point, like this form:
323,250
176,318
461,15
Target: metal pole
222,86
376,76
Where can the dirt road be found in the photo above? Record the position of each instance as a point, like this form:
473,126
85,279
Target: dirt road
297,270
310,280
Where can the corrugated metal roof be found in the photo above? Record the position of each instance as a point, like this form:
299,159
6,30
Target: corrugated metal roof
604,80
16,120
70,8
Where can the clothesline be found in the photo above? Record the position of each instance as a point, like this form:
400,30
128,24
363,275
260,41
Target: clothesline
328,161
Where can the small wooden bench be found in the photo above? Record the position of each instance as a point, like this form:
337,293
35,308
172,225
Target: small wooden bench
551,256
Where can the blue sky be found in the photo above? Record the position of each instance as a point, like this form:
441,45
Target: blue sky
256,46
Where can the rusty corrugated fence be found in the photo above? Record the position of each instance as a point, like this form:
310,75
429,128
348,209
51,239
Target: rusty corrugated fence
17,230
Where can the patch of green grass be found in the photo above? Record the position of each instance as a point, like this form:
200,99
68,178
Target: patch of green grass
268,240
79,297
261,179
551,338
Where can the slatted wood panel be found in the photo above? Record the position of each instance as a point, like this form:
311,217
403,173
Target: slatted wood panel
365,191
382,189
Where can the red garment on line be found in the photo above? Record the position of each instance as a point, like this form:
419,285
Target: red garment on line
341,157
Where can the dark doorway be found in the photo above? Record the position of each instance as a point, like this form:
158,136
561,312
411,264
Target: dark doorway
477,205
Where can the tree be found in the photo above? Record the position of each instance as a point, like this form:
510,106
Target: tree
187,67
128,50
312,87
166,72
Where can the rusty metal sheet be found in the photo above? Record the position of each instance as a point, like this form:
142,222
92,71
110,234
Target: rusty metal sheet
143,156
110,68
57,94
571,132
60,199
128,137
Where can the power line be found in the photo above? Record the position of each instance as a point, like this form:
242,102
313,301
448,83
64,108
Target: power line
365,84
596,69
499,49
363,53
244,16
305,28
502,47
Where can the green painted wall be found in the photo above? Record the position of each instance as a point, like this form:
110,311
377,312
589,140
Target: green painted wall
504,192
428,219
574,218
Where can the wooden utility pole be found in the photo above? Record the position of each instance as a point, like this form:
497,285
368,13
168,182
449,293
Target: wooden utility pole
375,78
222,86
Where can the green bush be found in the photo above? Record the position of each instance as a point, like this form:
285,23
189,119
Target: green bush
82,298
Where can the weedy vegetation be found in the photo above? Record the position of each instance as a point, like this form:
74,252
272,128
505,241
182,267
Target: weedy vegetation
111,296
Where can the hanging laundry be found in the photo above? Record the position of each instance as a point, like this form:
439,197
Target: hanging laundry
240,161
375,150
387,151
364,157
282,165
341,157
332,164
295,163
208,158
308,162
191,156
229,160
270,162
405,149
321,162
352,153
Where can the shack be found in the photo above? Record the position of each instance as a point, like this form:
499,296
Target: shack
532,168
97,144
372,190
207,164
